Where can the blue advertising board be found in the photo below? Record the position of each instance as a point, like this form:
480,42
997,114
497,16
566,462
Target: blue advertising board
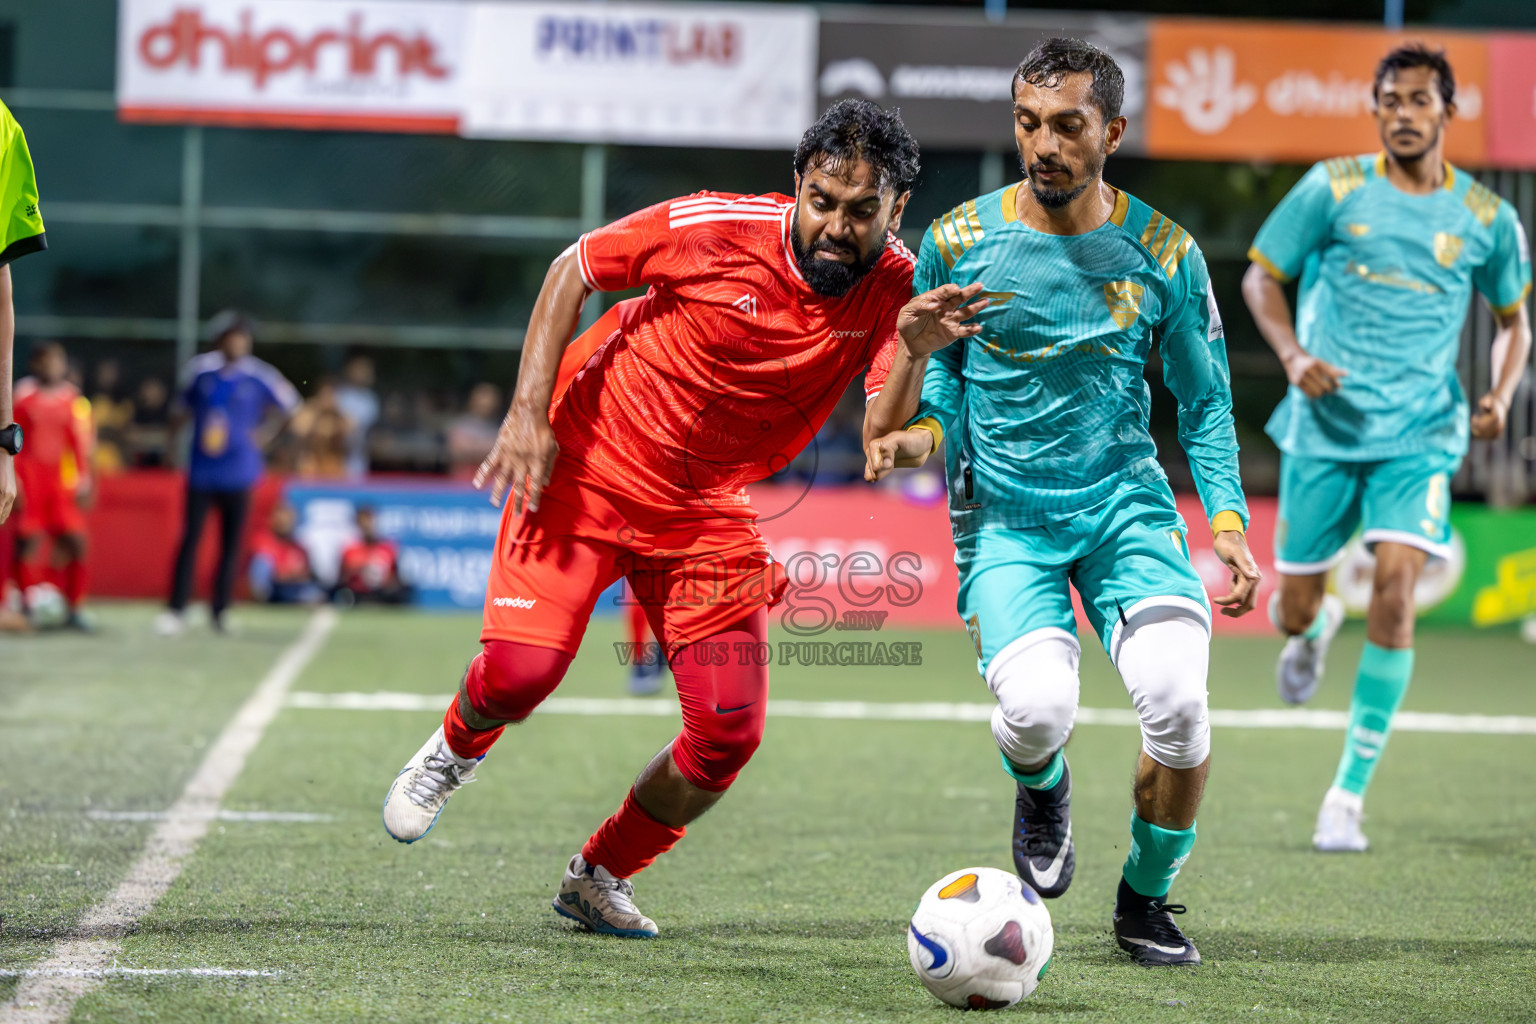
446,533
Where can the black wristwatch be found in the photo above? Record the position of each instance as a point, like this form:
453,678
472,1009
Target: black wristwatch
10,439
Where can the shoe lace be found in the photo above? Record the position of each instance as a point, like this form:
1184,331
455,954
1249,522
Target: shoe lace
1042,828
1161,923
438,773
620,894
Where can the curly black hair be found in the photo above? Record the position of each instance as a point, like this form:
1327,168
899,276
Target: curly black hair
1054,58
1417,55
852,130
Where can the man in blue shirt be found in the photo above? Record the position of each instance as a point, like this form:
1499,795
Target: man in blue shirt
229,395
1389,248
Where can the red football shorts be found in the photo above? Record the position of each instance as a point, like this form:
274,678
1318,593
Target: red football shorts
47,506
694,573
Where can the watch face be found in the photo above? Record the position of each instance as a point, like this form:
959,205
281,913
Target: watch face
11,439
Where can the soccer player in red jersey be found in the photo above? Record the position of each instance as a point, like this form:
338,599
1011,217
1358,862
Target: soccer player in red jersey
761,311
370,566
53,470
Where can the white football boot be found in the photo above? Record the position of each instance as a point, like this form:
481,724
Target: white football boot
593,898
1300,667
422,788
1338,823
169,623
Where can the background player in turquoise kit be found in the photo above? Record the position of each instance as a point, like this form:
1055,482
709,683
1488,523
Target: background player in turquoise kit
1389,248
1054,480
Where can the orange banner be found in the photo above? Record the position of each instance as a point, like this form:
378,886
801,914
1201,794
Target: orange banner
1236,90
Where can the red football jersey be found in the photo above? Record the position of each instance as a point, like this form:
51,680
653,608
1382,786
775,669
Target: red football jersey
55,431
729,365
290,562
367,566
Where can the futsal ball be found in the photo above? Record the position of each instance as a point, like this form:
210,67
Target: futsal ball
980,939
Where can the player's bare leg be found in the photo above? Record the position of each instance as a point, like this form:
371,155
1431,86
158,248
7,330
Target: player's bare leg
1169,797
1310,617
1386,667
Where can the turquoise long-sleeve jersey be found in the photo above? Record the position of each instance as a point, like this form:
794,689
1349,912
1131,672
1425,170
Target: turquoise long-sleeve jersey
1046,410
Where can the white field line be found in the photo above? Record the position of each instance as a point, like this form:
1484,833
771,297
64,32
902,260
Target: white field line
48,992
282,816
101,974
1275,718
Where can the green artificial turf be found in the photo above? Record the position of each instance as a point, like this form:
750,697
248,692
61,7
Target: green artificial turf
788,901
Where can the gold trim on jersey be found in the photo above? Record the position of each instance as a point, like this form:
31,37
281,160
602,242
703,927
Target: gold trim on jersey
1254,256
1011,203
1514,307
1167,242
1483,203
933,427
1344,175
1450,172
1122,206
957,231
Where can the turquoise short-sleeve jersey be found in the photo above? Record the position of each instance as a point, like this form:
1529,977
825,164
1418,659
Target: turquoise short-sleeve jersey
1046,409
1386,279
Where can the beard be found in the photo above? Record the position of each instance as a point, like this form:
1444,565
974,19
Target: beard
1426,145
1056,198
832,278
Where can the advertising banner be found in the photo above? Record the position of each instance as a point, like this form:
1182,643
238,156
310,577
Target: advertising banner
445,532
674,74
1234,90
952,76
1512,101
385,65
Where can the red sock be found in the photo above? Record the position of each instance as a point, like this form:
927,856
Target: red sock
29,573
74,583
463,740
628,842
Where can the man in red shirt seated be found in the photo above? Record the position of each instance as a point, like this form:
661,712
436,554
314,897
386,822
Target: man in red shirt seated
280,572
370,567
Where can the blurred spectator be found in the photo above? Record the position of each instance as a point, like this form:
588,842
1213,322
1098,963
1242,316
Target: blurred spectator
471,436
408,436
237,404
280,572
322,432
149,434
112,410
370,567
359,403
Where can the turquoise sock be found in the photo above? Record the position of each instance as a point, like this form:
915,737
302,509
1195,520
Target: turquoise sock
1045,778
1379,688
1156,856
1318,625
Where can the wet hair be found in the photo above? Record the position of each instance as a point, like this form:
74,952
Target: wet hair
853,130
1416,55
1054,59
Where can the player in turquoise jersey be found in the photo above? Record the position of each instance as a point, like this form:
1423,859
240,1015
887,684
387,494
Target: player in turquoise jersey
1054,480
1389,248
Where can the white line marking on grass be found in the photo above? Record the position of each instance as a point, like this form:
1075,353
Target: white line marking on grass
282,816
48,992
99,974
1274,718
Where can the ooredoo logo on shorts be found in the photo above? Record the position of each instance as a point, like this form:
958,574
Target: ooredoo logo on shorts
513,602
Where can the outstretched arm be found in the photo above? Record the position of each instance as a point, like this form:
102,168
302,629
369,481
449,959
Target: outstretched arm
525,450
928,325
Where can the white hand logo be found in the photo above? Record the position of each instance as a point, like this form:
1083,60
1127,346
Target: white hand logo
1205,91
